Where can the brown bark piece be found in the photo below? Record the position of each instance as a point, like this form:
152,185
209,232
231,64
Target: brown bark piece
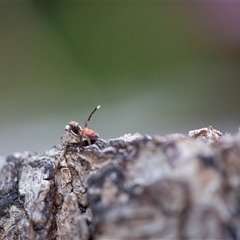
133,187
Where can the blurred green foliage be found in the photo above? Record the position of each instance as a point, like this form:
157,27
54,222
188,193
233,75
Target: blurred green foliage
155,67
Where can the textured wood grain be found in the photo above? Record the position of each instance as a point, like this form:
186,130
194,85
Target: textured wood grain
132,187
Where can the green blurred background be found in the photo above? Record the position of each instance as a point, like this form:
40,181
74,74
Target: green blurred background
155,68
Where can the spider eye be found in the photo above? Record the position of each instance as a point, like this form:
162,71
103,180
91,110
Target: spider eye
76,128
73,128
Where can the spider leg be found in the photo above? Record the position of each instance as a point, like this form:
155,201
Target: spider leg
94,110
80,139
88,139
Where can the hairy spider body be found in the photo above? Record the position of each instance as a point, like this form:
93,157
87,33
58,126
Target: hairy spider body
83,133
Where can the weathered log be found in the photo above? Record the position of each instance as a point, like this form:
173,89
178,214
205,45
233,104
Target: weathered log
133,187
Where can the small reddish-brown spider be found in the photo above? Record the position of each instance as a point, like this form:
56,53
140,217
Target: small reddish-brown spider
83,133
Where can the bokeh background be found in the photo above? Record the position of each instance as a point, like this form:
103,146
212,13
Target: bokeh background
155,68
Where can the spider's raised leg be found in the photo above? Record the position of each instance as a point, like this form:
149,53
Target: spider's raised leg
95,109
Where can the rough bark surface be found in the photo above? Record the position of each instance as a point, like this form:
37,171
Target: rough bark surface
133,187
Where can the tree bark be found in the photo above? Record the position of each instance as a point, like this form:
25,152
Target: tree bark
132,187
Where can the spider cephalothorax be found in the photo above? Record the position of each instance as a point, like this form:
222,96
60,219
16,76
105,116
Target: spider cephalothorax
83,133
